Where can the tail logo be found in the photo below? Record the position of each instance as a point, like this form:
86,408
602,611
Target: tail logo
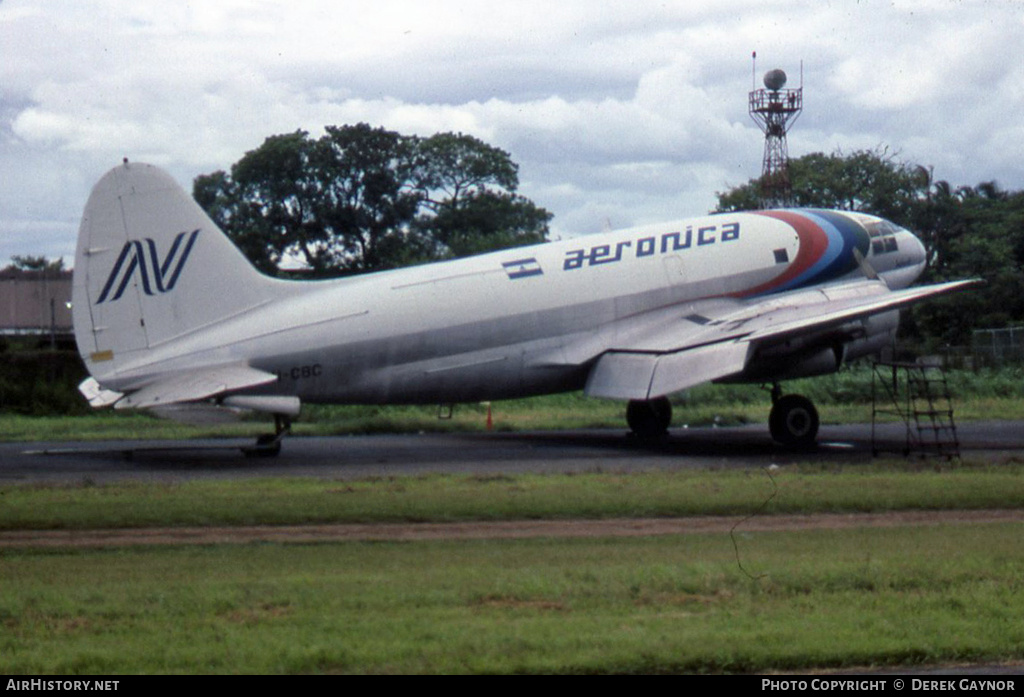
157,275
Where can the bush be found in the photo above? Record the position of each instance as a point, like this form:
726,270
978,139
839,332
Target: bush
41,382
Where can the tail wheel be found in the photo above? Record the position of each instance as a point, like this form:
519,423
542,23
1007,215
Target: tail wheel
269,444
649,418
794,421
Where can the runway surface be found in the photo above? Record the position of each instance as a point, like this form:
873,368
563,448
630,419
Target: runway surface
481,453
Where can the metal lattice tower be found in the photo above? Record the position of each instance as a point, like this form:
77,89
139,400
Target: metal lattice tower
775,110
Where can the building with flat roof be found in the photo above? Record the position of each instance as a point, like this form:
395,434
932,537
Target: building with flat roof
35,303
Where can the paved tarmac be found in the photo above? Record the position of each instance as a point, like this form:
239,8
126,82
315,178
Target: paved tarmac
481,453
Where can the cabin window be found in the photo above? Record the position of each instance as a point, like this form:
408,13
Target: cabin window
781,256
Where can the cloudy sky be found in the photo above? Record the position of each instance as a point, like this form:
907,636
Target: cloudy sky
617,113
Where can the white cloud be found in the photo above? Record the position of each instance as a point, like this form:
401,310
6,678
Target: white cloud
625,112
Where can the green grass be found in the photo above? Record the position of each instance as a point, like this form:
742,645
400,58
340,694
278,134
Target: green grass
450,497
814,599
802,600
820,599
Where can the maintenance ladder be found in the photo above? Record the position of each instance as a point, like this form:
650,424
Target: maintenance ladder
918,394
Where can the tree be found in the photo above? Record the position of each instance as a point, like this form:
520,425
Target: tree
484,221
469,189
34,263
362,199
872,181
983,238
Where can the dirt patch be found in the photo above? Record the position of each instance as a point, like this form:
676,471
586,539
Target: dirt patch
516,529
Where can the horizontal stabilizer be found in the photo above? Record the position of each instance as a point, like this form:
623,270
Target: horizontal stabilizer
284,405
231,409
97,396
193,386
199,413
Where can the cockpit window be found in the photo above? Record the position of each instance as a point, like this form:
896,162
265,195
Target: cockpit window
880,228
883,236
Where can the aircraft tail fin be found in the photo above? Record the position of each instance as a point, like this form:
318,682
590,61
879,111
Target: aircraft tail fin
151,267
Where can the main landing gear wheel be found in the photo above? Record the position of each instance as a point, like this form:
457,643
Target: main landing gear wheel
649,418
793,421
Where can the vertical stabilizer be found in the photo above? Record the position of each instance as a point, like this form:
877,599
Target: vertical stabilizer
151,267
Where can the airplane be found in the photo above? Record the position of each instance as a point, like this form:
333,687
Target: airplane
170,316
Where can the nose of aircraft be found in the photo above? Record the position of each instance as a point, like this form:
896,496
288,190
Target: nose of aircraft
916,253
904,267
896,253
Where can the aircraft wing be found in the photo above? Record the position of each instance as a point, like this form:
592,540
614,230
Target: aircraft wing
664,353
194,385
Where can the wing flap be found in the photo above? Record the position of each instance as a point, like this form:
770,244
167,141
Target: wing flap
625,375
622,375
194,386
679,371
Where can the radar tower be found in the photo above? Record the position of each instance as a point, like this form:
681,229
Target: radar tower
775,109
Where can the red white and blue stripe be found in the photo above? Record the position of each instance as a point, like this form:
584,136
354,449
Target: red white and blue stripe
826,243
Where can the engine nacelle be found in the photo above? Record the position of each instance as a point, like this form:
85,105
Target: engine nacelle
822,353
880,333
806,363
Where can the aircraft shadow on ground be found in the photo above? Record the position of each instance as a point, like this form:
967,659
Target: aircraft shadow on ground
730,445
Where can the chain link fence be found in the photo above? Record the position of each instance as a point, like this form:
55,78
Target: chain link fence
990,348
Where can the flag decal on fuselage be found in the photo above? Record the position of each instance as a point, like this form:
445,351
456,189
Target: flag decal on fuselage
522,268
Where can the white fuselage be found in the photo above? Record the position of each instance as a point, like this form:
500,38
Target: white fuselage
522,321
